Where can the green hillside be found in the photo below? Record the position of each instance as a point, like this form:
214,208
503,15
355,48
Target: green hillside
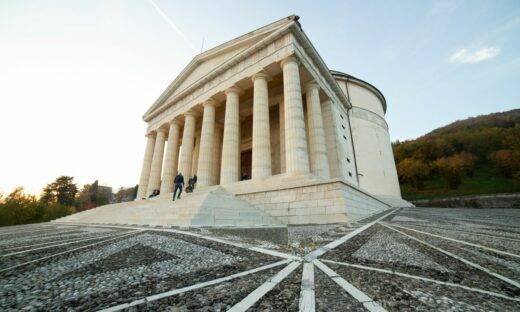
478,155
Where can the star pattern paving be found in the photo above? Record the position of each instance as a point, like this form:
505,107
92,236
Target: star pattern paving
419,259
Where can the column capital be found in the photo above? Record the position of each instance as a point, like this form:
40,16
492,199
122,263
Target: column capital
162,130
209,102
289,59
191,113
261,75
234,89
175,121
311,85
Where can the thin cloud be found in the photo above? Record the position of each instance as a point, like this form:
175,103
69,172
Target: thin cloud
465,56
172,24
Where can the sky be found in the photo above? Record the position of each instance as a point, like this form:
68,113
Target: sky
77,76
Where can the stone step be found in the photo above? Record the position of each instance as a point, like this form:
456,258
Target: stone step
210,206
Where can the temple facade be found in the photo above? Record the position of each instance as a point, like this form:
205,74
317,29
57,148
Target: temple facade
264,124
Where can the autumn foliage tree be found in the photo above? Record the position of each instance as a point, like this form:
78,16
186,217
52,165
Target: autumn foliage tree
413,171
456,150
450,171
508,161
21,208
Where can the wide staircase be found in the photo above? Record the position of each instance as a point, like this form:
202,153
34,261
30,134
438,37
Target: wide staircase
207,207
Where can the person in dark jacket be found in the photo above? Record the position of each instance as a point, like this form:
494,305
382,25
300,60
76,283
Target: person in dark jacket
179,184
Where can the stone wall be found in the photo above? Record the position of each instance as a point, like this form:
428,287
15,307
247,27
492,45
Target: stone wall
321,202
479,201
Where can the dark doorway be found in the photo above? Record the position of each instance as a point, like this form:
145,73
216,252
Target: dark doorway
246,161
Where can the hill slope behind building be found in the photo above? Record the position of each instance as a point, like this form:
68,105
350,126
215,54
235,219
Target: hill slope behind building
478,155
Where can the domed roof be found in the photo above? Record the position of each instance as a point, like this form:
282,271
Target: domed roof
347,77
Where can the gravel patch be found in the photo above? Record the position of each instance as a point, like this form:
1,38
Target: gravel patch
397,293
220,297
38,253
386,247
487,241
284,296
331,297
456,271
502,264
76,281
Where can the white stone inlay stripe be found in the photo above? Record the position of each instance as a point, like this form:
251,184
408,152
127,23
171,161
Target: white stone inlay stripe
24,227
363,267
193,287
54,234
275,253
263,289
307,295
218,240
54,241
61,244
34,231
459,241
476,266
323,249
464,232
67,251
360,296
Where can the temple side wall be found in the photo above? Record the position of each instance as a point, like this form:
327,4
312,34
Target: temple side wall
374,156
327,202
345,150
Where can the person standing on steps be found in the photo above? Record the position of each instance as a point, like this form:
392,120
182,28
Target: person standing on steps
179,184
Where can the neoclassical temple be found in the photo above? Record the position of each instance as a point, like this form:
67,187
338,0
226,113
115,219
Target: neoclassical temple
273,135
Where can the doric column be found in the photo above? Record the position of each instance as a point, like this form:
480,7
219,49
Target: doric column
147,163
207,134
188,136
155,170
171,159
195,158
229,170
297,157
318,150
282,136
261,164
217,153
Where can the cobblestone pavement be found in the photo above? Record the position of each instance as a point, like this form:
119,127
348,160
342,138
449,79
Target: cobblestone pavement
412,259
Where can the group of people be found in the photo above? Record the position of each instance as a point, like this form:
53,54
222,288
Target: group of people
179,185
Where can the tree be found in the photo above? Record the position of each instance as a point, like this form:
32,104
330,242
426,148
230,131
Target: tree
91,196
450,168
507,161
413,171
466,162
125,194
512,138
62,190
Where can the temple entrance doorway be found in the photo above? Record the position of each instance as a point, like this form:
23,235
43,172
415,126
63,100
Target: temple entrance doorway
246,161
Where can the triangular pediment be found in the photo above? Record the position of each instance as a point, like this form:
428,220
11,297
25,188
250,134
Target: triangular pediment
204,63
